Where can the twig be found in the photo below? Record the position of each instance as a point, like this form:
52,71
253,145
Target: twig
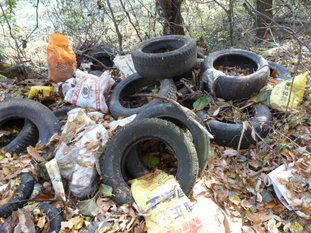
187,86
245,125
37,22
182,108
93,58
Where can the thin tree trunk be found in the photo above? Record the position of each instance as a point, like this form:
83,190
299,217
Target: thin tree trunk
120,38
264,7
230,17
170,10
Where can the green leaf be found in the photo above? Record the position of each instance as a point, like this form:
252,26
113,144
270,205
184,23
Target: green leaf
296,226
105,191
155,90
151,161
263,97
202,103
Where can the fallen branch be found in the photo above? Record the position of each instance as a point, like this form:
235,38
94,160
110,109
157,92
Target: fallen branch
182,108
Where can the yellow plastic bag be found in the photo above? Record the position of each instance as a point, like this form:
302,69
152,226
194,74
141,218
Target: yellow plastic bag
167,209
287,95
61,58
41,93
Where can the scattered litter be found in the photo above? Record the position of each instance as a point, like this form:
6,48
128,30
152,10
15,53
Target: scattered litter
166,208
61,58
125,64
289,93
121,122
87,90
54,173
41,93
292,187
77,155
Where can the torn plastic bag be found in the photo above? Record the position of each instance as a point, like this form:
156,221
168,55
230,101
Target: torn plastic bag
167,209
287,180
61,58
41,93
83,141
289,93
125,64
87,90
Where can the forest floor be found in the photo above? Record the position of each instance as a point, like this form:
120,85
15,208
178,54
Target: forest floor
234,179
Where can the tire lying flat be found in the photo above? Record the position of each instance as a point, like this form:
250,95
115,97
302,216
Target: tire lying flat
234,87
165,56
24,192
173,114
112,162
129,85
226,134
39,115
54,216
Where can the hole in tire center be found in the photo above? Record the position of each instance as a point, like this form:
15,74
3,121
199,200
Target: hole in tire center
9,130
128,98
234,116
235,65
163,46
156,154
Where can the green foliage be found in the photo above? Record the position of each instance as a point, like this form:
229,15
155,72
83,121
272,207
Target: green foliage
202,103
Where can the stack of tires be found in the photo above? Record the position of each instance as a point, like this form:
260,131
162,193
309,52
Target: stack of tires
238,88
158,60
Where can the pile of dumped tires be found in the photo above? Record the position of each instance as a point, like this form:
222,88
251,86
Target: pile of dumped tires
159,61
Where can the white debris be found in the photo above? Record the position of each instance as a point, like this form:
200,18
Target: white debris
78,154
122,122
87,90
278,178
125,64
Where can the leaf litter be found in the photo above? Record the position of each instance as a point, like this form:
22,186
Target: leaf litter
234,180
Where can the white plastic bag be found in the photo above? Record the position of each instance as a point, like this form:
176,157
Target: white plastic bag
125,64
87,90
78,154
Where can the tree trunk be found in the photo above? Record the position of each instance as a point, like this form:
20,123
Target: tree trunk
263,7
170,11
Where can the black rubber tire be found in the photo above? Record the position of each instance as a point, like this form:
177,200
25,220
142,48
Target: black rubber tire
54,216
167,88
226,134
24,192
162,65
232,87
283,73
62,113
112,162
43,118
28,136
173,114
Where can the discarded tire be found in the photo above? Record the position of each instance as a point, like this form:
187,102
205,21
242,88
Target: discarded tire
175,115
42,118
28,136
105,56
23,193
234,87
128,87
112,162
54,216
165,57
282,72
226,134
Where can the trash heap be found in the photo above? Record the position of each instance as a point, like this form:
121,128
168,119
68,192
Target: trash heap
141,139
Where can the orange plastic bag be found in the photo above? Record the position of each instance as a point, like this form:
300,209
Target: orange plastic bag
61,58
